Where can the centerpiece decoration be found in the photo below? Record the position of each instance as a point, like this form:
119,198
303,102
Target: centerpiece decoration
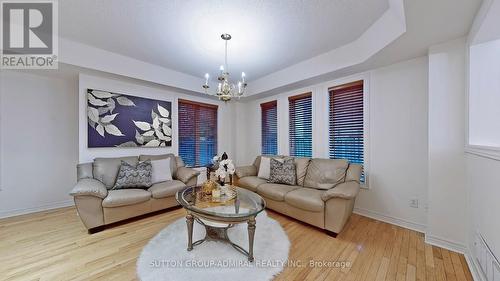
225,168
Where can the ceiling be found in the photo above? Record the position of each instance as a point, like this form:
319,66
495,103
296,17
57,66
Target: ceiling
185,35
269,36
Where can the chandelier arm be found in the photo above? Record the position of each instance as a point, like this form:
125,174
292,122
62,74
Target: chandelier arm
225,57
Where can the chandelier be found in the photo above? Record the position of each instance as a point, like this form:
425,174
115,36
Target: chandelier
226,90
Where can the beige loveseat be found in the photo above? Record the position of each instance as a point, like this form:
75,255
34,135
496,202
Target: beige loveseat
323,196
98,205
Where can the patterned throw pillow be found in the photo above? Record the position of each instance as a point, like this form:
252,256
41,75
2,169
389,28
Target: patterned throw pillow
134,177
283,172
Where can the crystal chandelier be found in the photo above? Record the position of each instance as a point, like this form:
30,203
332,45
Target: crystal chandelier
226,90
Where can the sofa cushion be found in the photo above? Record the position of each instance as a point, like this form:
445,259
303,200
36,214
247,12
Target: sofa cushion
138,176
124,197
173,160
160,170
305,198
283,171
251,182
325,173
106,169
301,165
166,188
275,191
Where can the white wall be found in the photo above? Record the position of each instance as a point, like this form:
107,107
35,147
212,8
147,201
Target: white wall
484,109
447,196
397,149
38,141
225,140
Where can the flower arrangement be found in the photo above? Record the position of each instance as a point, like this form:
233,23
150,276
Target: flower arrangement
225,167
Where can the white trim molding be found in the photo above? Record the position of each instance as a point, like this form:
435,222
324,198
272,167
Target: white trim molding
474,267
40,208
484,151
445,243
391,220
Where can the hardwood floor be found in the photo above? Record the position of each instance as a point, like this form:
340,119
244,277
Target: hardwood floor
54,245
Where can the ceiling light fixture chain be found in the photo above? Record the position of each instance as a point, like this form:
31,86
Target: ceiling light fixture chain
225,89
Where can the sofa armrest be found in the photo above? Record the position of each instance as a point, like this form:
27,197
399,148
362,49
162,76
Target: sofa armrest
246,171
185,174
346,190
90,187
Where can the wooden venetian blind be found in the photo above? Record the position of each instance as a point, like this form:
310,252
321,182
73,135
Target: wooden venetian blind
346,122
197,132
300,126
269,128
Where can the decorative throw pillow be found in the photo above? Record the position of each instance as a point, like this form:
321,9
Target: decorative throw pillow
283,172
160,171
265,167
131,176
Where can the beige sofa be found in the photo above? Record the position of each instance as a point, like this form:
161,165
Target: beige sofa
324,195
98,205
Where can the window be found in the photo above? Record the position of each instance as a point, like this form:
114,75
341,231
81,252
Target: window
346,123
269,129
197,132
300,111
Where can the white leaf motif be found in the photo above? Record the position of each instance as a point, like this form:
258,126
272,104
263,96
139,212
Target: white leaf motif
108,118
160,135
163,111
125,101
139,138
100,130
96,102
102,94
156,123
142,125
162,144
166,130
113,130
148,133
128,144
111,105
153,143
93,114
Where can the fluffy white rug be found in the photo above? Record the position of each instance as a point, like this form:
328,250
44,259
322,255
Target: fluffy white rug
165,257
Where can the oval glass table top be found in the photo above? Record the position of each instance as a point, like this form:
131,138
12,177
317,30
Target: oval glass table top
246,204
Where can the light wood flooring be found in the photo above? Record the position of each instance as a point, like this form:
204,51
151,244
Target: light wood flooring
54,245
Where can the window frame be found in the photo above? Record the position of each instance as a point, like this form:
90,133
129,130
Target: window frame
266,106
198,104
294,98
366,118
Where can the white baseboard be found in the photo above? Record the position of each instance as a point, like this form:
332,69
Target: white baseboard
477,274
44,207
446,244
390,219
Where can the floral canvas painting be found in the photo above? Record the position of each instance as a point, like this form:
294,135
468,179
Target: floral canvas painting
118,120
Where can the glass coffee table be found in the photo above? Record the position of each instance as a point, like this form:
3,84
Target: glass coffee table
218,217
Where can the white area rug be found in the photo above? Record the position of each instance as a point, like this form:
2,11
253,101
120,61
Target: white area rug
165,257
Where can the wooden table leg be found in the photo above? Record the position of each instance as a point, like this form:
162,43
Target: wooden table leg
189,221
251,234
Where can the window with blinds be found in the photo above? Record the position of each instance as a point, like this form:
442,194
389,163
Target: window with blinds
300,130
269,128
346,123
197,132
